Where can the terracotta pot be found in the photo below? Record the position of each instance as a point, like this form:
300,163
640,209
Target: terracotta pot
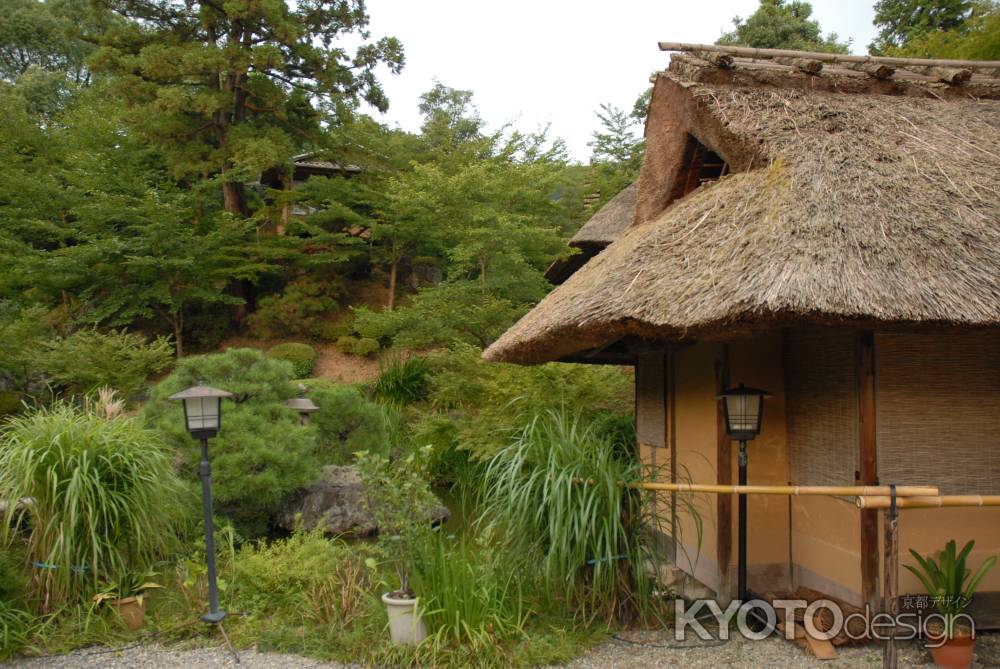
406,626
131,610
953,653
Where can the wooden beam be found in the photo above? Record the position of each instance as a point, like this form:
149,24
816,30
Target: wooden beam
723,60
879,71
807,65
724,464
750,52
868,459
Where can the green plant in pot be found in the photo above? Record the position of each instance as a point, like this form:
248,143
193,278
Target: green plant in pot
127,596
402,504
951,584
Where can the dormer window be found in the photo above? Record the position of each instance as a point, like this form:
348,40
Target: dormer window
701,165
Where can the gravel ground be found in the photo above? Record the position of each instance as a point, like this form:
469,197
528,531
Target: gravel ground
738,653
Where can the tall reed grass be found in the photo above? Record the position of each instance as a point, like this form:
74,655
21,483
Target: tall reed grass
555,491
98,496
469,593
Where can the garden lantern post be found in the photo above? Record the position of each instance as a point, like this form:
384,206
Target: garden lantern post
202,417
302,405
743,409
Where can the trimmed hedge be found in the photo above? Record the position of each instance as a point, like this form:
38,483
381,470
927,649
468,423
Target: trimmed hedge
302,357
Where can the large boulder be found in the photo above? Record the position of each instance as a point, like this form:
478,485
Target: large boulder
337,501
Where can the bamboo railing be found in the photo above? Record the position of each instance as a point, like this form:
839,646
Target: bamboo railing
926,502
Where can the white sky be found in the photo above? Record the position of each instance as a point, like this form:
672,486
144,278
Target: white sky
556,61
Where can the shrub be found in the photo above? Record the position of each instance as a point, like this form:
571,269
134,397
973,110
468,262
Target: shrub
448,313
401,381
262,456
305,577
347,422
10,402
88,359
302,357
105,497
299,310
363,346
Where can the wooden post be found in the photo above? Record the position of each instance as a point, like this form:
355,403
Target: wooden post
868,458
724,463
890,600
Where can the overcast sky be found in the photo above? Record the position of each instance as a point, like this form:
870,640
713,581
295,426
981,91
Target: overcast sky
554,61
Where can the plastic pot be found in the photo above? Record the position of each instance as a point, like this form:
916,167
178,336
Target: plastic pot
406,627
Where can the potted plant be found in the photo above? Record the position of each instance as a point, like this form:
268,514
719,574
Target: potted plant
127,597
401,502
951,585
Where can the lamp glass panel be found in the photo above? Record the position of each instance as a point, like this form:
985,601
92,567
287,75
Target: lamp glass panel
202,413
743,410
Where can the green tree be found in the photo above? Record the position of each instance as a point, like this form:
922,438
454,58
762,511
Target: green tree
227,89
902,21
782,24
977,37
45,35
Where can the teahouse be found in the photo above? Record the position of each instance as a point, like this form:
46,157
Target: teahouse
827,228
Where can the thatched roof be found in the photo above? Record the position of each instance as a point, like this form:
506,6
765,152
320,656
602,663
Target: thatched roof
859,208
610,220
601,229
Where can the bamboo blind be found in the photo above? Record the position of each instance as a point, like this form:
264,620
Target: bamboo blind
938,416
821,407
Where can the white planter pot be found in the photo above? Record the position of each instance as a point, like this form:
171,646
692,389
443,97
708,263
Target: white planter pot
406,627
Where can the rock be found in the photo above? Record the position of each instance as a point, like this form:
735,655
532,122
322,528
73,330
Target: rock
338,502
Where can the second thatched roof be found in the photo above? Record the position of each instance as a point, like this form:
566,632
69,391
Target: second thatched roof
855,208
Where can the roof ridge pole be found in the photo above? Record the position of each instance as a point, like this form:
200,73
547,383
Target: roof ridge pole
768,54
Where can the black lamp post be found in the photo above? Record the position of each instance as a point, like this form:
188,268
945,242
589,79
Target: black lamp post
744,412
203,416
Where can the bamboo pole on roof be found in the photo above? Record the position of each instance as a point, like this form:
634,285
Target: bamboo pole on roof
927,502
766,54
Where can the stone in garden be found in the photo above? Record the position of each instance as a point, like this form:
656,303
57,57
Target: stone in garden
338,502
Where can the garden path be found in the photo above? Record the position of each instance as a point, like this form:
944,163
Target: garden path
616,654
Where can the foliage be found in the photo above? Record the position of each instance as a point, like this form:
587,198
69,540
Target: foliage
900,22
88,359
347,422
402,503
45,36
487,402
783,24
299,310
10,402
104,497
17,628
130,584
948,581
262,456
555,489
616,142
401,381
975,38
459,311
470,594
306,576
362,346
229,89
21,334
302,357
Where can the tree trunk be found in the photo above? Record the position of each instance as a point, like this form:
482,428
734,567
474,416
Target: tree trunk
178,323
393,274
234,197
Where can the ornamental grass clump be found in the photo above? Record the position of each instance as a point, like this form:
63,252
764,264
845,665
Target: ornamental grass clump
555,491
99,498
